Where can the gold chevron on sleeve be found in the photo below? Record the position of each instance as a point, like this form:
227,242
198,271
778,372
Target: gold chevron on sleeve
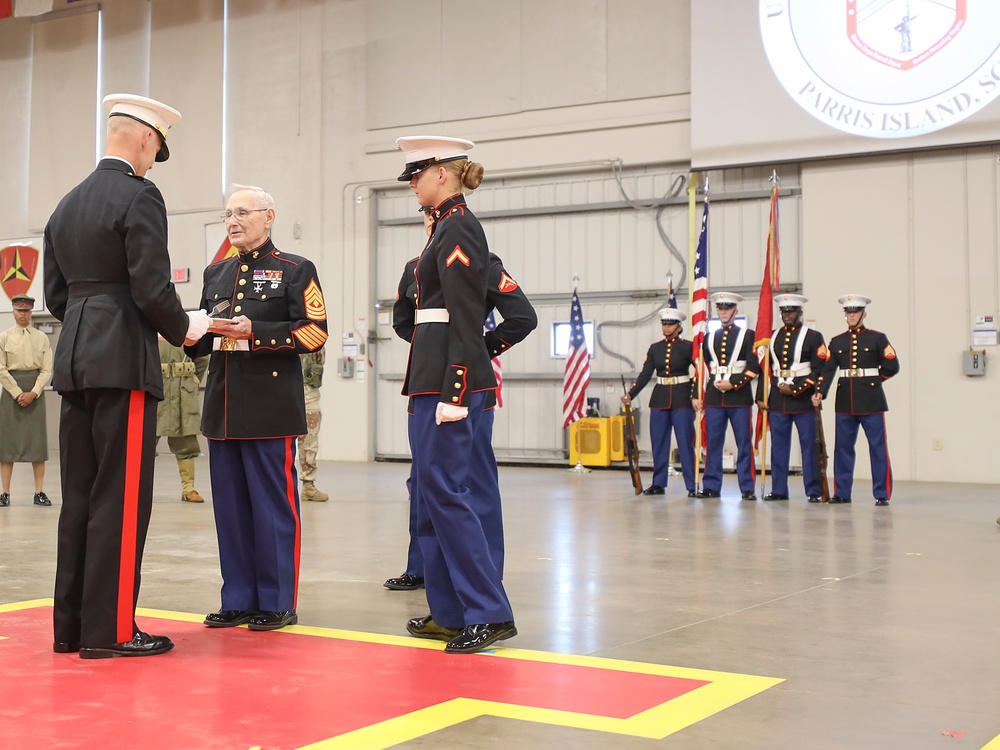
315,305
311,336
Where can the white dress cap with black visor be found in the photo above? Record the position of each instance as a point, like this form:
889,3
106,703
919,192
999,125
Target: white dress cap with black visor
157,115
672,315
790,301
854,302
423,151
726,299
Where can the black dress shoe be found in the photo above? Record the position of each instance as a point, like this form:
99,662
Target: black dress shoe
477,637
750,496
42,499
654,489
142,644
881,501
4,499
272,620
692,493
708,493
405,582
65,648
815,499
425,627
229,618
774,496
838,499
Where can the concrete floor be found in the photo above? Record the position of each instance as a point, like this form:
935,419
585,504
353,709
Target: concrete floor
884,623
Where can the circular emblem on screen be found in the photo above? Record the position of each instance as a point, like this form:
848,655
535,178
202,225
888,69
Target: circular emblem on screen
885,68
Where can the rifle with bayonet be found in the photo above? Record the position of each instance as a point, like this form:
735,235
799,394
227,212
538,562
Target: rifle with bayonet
631,444
821,455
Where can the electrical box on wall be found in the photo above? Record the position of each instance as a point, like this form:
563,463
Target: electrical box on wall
345,367
974,362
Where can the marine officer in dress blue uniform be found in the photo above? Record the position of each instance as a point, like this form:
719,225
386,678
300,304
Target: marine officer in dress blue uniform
255,409
866,359
732,366
107,278
504,295
449,379
798,354
670,406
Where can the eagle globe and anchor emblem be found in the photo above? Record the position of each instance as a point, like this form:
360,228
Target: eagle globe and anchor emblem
885,68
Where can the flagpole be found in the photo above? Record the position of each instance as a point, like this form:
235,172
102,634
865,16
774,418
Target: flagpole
771,275
692,249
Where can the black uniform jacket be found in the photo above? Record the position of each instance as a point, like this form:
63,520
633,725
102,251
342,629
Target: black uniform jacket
503,294
724,341
258,393
450,359
668,358
107,278
784,342
860,350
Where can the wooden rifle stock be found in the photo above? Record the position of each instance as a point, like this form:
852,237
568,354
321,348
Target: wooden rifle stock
821,455
631,445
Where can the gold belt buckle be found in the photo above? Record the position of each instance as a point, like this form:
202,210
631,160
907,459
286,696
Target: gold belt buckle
228,344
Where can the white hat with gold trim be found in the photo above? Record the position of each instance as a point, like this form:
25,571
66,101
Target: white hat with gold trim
159,116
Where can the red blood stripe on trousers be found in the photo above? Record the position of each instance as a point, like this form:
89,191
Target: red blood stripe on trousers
130,516
290,495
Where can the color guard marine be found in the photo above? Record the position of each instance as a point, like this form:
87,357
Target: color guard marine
732,366
865,359
798,355
671,404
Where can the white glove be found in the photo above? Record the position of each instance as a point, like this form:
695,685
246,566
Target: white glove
450,413
198,321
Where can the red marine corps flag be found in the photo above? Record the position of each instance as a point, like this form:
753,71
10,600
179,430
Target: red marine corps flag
18,264
765,317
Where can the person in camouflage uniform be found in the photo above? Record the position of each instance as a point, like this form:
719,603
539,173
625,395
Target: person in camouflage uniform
178,417
312,379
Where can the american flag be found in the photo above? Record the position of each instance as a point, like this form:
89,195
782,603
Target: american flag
576,379
489,325
699,292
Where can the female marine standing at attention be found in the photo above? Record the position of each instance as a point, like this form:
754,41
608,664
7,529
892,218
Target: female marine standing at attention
448,379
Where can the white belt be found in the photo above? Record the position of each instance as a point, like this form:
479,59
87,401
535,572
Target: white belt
860,372
787,377
226,344
432,315
736,368
674,380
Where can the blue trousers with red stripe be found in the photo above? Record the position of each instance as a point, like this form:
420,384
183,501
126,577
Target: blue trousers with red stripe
661,422
484,485
256,501
716,419
462,582
107,438
878,451
781,449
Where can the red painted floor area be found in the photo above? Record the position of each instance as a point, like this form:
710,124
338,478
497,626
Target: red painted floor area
237,688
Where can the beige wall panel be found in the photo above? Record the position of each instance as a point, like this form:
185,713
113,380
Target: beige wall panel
854,219
185,71
125,47
563,53
403,63
480,58
63,148
649,48
15,98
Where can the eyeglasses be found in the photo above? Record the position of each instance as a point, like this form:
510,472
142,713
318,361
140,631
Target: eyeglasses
240,213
